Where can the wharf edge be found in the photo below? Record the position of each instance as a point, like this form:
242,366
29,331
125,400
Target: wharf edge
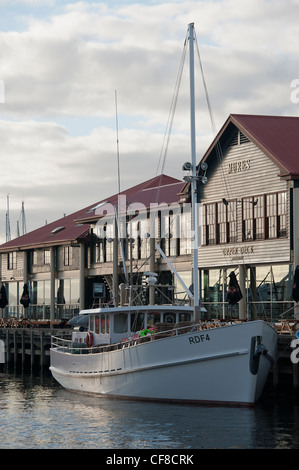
28,348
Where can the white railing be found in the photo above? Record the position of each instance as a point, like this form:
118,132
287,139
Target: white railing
71,347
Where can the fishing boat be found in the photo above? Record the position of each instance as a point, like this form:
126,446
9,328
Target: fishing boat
166,352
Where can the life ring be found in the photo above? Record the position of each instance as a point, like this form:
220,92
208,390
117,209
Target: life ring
89,339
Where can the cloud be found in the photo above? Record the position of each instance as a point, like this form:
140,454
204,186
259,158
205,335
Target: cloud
56,173
71,63
64,61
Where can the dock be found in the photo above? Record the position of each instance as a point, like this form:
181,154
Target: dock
29,347
284,371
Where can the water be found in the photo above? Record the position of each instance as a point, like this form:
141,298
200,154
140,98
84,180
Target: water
37,413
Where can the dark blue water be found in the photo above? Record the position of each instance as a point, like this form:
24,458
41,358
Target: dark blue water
37,413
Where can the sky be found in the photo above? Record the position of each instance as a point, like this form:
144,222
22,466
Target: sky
86,89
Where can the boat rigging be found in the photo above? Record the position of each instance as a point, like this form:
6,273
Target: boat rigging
165,352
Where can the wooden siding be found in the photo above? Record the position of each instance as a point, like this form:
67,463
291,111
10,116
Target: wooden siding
261,177
244,171
233,254
74,263
40,266
17,272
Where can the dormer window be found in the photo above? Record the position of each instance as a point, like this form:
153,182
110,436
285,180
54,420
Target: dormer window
57,229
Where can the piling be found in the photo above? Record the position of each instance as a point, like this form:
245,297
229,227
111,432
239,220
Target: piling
23,347
32,348
284,371
28,348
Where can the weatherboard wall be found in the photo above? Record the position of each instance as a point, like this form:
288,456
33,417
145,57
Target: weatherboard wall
243,170
15,272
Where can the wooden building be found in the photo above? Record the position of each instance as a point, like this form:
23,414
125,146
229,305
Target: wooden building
250,215
67,266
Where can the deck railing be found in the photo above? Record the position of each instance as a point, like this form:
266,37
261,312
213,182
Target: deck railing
71,347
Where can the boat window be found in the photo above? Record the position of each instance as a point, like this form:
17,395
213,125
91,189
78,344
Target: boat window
169,317
97,329
153,318
103,324
184,317
107,325
137,321
91,323
120,323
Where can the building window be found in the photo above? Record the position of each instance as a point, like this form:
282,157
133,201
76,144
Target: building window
99,257
271,215
108,242
139,233
12,260
259,217
226,226
247,216
67,256
170,231
209,219
253,218
186,234
263,217
221,223
47,257
135,240
145,239
282,214
232,221
276,223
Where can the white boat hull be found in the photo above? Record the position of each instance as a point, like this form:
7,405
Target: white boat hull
208,366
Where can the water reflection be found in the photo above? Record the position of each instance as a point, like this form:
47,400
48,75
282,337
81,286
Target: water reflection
36,412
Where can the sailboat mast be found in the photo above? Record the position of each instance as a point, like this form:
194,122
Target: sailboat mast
24,230
194,179
8,235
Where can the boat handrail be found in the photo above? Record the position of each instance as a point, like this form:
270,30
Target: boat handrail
69,346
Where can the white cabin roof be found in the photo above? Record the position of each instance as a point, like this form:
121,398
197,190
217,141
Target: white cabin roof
139,308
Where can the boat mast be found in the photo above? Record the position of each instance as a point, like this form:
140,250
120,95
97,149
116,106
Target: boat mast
194,178
24,229
8,235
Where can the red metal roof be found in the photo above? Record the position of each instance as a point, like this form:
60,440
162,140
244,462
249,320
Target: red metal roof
76,226
277,136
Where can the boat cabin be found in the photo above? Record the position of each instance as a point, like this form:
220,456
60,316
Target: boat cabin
112,325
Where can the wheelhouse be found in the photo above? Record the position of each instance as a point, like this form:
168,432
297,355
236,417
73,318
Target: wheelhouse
112,325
